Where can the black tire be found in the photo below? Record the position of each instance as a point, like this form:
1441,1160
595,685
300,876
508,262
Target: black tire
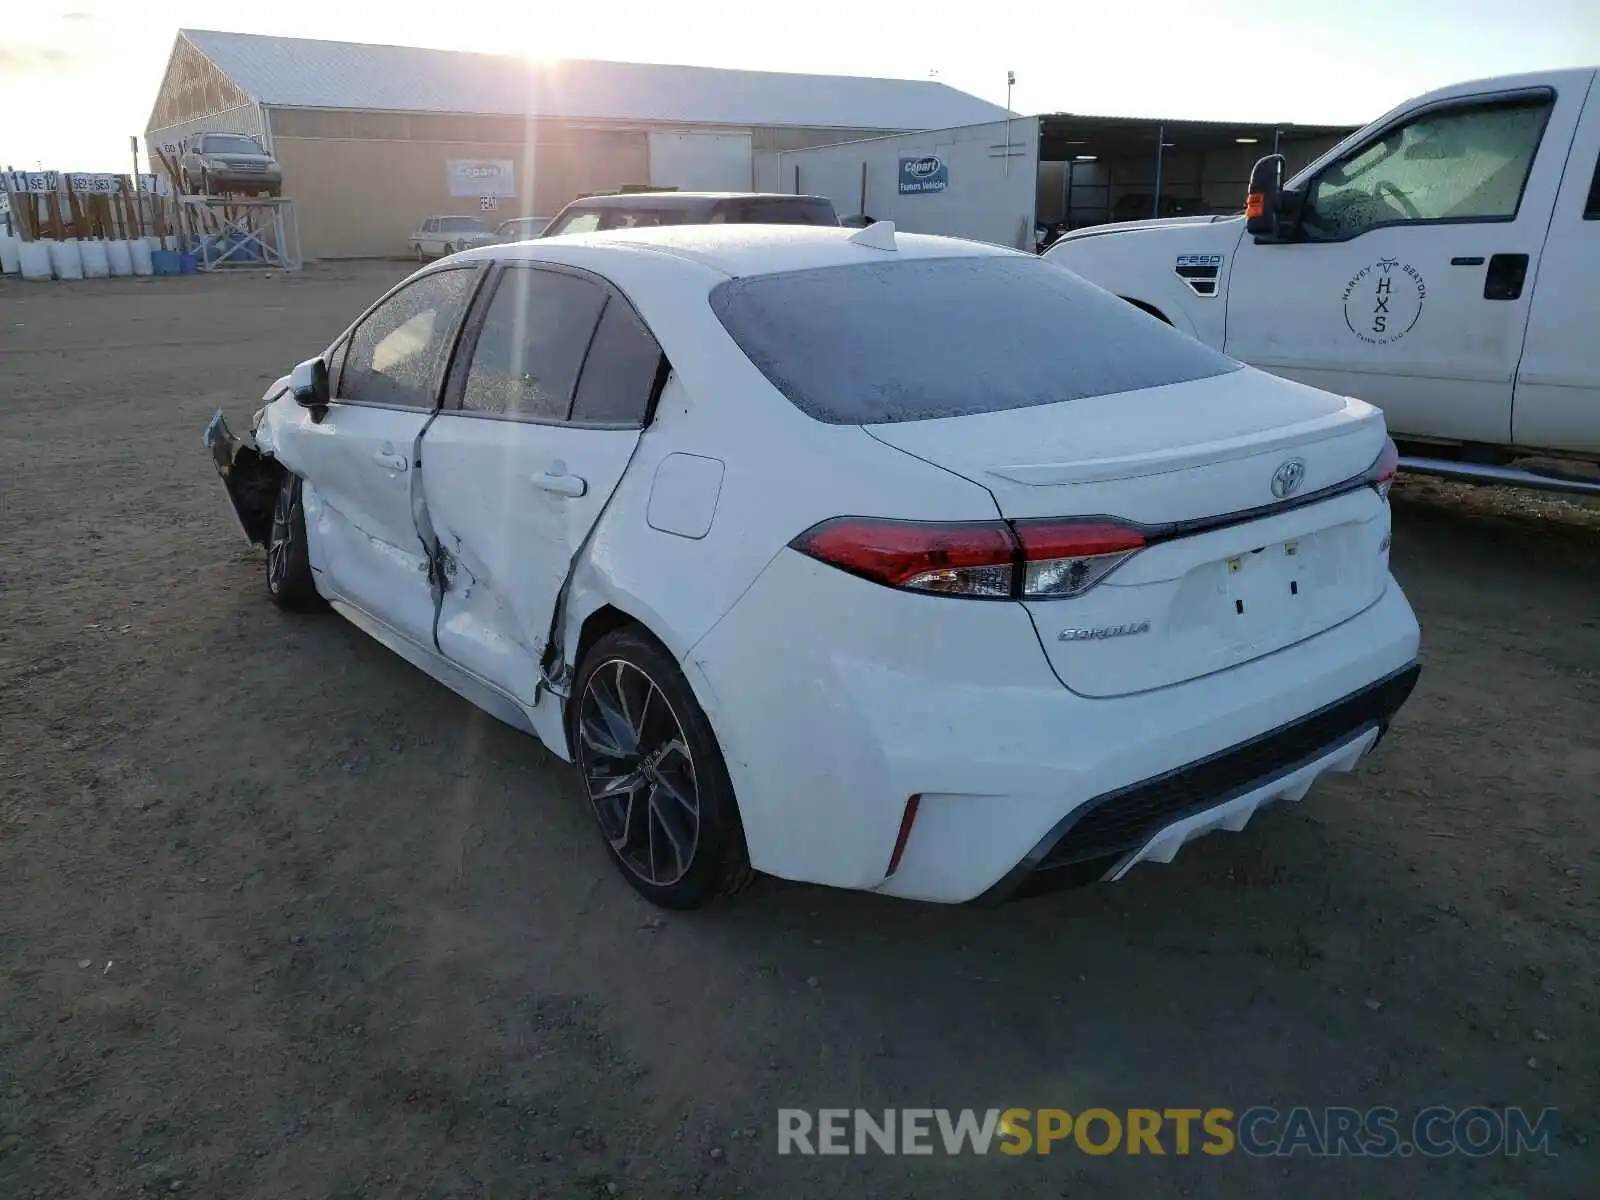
628,686
289,579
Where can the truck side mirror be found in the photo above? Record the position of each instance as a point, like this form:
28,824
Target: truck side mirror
1261,205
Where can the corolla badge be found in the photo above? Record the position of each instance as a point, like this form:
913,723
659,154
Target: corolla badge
1287,477
1099,632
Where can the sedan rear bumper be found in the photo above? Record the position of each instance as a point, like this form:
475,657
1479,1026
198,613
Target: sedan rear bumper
1108,836
836,701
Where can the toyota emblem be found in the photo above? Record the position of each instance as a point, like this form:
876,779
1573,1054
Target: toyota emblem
1287,477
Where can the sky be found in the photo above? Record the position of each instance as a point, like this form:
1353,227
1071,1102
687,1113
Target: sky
78,77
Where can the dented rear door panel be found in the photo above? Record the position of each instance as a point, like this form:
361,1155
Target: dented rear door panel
512,504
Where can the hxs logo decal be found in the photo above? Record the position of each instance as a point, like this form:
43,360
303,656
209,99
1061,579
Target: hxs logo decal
1384,301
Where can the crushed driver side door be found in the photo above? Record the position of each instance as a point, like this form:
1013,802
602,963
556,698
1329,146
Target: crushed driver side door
359,461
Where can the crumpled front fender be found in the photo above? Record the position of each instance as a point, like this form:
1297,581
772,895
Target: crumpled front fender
250,478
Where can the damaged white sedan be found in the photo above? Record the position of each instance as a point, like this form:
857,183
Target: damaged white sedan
886,562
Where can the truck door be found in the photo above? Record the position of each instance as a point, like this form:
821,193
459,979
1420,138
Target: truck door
1558,386
1408,280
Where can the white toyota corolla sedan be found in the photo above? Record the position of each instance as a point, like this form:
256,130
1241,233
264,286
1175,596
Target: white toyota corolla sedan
881,561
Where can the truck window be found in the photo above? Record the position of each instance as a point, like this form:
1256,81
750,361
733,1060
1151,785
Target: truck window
582,221
1468,163
802,210
948,337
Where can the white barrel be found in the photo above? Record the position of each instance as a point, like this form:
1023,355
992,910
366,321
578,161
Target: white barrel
96,262
34,259
66,259
120,256
10,261
139,249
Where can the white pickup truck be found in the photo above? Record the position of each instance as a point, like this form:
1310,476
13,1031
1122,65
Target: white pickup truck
1442,263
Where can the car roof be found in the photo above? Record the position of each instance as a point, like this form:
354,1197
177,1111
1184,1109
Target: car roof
740,251
681,199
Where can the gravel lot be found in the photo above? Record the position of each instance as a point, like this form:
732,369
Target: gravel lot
279,916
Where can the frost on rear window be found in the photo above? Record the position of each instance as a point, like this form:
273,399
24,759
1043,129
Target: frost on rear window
925,338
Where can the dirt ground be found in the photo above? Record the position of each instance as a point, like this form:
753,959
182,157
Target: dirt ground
281,917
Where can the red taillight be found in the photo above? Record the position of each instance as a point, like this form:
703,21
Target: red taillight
1382,472
992,560
948,558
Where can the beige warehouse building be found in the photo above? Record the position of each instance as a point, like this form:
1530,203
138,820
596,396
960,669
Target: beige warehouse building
374,138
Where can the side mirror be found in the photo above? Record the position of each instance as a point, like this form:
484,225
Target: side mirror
308,383
1272,211
1261,205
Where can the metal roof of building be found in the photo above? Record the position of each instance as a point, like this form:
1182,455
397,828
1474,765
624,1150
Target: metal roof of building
304,73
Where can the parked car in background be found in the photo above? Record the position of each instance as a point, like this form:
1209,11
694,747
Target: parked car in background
438,236
634,210
520,229
901,563
1440,263
219,164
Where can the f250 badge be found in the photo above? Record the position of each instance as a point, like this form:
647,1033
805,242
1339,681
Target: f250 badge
1384,301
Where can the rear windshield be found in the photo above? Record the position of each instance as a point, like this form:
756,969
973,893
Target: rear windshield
775,212
948,337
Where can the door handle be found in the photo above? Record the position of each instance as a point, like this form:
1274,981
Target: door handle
561,484
1505,276
390,460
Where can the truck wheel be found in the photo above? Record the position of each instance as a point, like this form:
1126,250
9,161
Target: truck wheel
1149,308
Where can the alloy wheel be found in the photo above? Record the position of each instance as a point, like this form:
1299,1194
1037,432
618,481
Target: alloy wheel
639,773
279,538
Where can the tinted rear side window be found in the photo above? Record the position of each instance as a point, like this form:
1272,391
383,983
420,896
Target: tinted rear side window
949,337
620,375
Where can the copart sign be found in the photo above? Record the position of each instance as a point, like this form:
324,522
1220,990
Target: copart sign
481,176
924,174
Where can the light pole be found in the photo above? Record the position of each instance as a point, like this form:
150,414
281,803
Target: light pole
1011,82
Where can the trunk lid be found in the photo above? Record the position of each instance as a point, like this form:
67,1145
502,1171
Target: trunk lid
1220,583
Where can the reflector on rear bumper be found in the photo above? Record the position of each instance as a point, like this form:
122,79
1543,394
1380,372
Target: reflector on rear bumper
1093,840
